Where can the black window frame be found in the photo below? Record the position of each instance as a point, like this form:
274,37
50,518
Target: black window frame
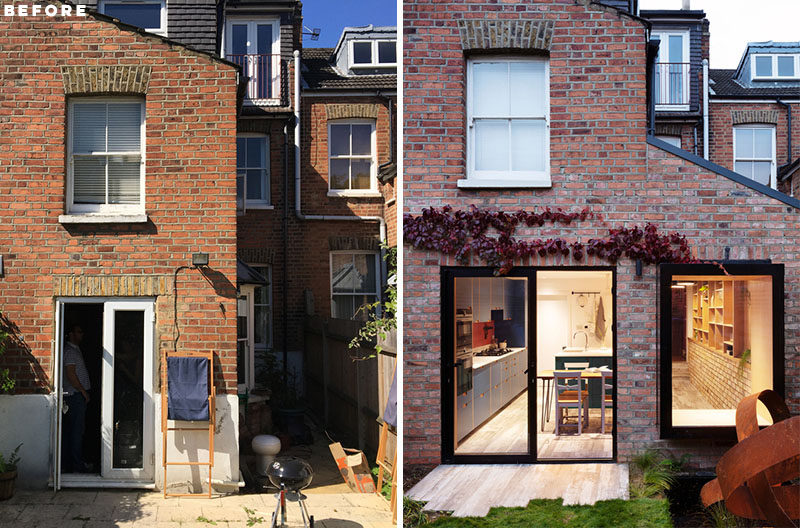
666,274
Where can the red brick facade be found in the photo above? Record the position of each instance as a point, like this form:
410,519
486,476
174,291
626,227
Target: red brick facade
190,107
599,159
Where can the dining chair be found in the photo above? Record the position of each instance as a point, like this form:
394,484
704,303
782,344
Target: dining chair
571,393
606,382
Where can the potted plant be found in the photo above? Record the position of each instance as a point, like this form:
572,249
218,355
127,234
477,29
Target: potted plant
8,474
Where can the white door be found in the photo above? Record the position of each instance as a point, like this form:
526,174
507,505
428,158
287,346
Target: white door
127,392
672,70
58,400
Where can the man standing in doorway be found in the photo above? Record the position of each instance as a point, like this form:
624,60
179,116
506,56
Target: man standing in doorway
76,385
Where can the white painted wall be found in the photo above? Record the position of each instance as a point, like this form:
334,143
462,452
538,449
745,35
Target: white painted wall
193,446
759,318
25,418
552,329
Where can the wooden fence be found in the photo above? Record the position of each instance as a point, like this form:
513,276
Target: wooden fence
348,394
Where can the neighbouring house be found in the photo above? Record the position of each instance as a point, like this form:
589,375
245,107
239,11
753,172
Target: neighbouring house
678,83
117,164
755,115
576,289
345,204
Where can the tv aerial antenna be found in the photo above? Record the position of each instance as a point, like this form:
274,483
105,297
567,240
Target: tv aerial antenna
312,32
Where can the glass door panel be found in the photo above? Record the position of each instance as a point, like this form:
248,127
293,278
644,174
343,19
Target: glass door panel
128,420
575,360
490,358
127,391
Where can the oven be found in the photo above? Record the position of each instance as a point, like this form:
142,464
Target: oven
464,373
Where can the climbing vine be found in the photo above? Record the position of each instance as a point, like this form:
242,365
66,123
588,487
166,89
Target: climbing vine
463,233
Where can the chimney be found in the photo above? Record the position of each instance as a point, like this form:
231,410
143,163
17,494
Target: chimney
687,5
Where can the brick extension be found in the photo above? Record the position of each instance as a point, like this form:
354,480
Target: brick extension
599,159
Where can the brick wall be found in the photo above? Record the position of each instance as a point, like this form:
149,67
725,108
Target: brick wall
190,110
724,115
598,159
260,231
718,376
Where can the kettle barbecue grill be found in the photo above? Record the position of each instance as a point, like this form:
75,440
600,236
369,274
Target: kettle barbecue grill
290,475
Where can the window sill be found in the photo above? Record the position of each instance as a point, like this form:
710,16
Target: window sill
255,206
101,218
672,108
493,183
354,194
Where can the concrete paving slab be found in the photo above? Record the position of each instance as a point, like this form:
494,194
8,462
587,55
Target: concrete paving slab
126,508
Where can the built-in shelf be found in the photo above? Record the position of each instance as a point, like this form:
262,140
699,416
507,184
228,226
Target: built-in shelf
716,323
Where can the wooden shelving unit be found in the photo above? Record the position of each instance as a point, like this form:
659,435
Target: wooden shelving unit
716,323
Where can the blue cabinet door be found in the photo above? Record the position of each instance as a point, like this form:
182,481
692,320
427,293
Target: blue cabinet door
481,395
464,414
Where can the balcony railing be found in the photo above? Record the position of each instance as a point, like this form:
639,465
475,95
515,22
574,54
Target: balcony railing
672,85
264,72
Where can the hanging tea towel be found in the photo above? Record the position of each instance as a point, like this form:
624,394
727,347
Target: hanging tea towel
600,321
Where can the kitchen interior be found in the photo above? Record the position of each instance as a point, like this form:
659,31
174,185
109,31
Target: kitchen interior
574,331
574,311
721,347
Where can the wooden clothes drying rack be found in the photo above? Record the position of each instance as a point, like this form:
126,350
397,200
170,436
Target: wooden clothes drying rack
165,413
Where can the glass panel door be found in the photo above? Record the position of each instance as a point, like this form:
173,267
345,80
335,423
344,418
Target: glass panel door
127,417
489,359
575,363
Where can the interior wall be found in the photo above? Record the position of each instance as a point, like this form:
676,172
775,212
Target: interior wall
582,319
759,316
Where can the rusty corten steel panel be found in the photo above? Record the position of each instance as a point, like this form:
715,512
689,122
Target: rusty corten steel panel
752,477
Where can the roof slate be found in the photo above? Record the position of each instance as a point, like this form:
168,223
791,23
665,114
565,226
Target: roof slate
726,86
319,74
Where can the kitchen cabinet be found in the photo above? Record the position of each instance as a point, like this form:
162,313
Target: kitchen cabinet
464,414
483,306
497,294
463,293
481,395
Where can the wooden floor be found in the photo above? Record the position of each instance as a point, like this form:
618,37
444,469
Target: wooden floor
684,394
470,490
507,433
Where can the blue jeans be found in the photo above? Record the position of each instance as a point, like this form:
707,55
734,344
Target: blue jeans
72,437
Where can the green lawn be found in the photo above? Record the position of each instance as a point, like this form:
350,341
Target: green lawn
637,513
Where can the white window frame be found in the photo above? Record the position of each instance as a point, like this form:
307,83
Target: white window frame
105,209
375,255
373,171
266,271
374,54
671,140
162,30
526,179
252,49
246,293
663,36
774,74
773,164
256,204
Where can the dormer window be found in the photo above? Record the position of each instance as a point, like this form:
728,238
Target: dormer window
150,15
373,53
776,67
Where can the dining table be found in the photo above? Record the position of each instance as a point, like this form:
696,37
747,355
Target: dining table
547,383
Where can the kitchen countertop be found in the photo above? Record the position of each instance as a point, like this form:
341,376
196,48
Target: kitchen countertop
482,361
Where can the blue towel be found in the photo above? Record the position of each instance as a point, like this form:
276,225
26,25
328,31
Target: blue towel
187,398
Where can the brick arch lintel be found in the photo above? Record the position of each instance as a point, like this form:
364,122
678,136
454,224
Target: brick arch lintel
112,79
506,34
743,117
351,111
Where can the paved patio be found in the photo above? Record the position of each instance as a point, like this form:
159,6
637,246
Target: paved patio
88,509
